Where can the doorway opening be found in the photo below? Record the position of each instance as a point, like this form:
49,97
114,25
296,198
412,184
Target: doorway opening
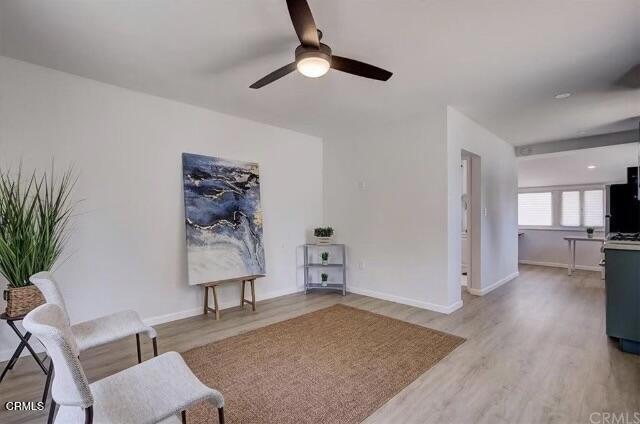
465,236
470,221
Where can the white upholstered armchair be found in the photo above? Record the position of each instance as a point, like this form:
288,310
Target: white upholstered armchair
156,391
99,331
96,332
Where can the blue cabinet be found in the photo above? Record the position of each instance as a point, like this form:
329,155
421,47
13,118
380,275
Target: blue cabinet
623,297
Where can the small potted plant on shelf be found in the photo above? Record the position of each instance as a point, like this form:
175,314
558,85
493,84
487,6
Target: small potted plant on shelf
324,277
34,214
590,231
325,258
323,235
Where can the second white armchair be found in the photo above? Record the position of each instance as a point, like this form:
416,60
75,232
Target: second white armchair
156,391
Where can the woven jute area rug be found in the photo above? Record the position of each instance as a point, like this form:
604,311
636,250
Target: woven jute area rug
335,365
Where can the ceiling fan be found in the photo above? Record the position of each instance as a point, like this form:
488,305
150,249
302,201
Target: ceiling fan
314,59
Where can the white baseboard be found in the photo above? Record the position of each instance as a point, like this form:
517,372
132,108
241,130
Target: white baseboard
6,354
445,309
174,316
485,290
560,265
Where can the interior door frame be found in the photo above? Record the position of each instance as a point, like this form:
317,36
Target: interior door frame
474,189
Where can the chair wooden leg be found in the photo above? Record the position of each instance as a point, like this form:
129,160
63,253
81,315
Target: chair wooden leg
206,300
52,411
221,415
155,346
138,346
47,383
215,302
184,417
242,294
253,295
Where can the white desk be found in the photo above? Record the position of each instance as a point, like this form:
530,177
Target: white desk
571,261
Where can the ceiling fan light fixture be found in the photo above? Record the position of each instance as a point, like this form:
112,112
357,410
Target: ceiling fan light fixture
313,59
313,62
313,67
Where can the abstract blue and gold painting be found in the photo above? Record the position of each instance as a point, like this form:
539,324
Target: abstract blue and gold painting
223,218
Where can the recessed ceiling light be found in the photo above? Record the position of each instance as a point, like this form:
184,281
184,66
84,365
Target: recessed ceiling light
591,167
562,96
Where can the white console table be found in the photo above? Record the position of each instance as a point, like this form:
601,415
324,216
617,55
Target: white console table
571,260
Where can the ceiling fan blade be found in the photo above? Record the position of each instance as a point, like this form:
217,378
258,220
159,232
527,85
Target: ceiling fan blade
275,75
303,22
631,79
361,69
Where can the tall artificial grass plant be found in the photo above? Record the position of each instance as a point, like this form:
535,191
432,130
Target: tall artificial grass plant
34,215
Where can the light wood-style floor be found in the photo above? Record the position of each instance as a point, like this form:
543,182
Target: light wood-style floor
536,352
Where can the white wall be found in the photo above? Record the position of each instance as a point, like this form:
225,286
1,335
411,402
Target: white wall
385,195
392,192
127,248
548,247
499,241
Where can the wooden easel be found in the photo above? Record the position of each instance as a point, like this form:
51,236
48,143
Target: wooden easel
242,280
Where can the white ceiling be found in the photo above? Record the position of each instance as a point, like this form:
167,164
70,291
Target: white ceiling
566,168
498,61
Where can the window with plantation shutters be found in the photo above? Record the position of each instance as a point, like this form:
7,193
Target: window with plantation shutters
593,208
535,209
570,209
